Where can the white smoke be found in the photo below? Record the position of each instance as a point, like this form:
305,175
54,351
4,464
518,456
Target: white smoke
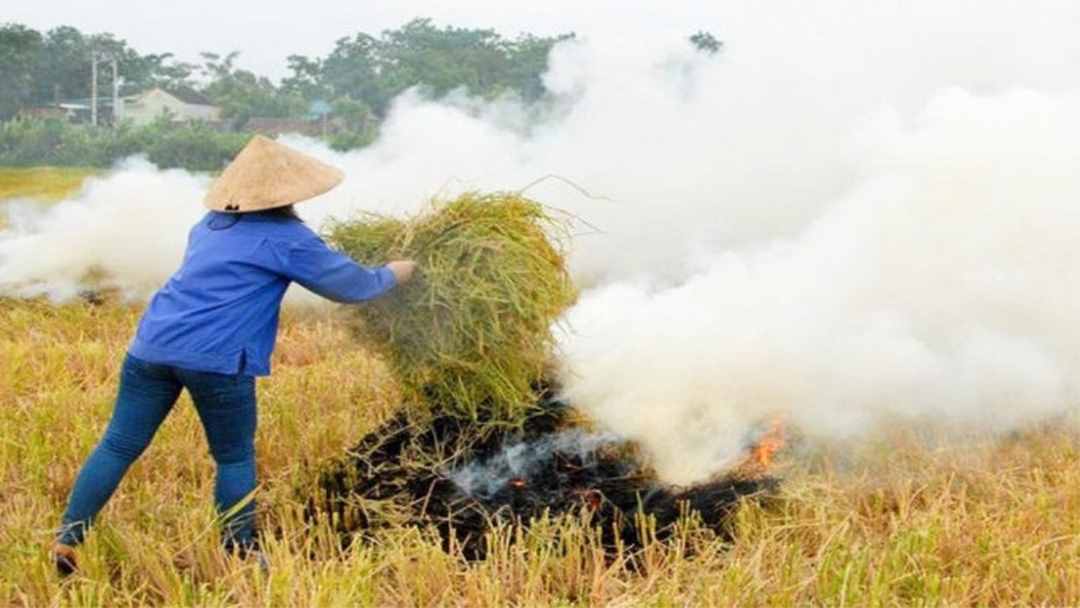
521,460
942,285
855,210
126,230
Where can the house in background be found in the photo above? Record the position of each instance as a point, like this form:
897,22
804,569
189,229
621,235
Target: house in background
183,105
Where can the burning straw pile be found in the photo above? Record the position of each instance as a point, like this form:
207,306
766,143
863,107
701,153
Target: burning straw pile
457,477
481,439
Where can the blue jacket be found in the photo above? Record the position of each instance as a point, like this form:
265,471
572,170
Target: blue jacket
219,312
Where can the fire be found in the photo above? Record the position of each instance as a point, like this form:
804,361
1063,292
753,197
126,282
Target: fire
764,449
591,498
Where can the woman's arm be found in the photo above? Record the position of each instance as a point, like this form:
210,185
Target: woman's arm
313,264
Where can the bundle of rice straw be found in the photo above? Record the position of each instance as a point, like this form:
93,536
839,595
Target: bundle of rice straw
471,334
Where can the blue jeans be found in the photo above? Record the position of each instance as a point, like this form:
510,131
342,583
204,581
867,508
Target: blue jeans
148,391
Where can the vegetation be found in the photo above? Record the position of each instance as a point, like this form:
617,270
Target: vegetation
42,183
473,331
357,81
373,70
364,72
242,94
41,67
194,146
891,522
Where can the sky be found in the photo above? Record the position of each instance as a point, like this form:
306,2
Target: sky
267,31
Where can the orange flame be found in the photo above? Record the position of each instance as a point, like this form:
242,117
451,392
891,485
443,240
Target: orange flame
591,498
761,454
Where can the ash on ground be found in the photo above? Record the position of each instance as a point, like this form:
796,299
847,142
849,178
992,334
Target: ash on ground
463,477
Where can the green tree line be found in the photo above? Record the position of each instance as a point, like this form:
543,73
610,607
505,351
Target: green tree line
192,146
358,79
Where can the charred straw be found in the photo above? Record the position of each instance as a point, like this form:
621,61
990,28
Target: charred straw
409,474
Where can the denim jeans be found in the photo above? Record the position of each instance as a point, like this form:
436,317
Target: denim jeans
148,391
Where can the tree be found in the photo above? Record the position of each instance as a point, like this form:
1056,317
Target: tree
243,94
356,114
528,60
443,59
57,65
64,65
167,73
306,79
359,78
20,48
351,71
420,54
706,43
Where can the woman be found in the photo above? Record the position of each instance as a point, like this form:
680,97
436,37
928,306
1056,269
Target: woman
211,330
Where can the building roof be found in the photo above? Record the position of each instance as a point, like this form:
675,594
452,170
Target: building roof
185,94
189,95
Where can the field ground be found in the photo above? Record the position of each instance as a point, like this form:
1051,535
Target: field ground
889,522
42,183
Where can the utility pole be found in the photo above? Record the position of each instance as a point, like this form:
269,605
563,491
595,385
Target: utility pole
117,110
93,87
95,58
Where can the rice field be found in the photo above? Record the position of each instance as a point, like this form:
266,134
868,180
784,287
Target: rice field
42,183
888,521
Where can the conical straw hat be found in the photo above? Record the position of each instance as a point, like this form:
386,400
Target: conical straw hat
267,174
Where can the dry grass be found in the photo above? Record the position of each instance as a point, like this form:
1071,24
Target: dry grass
42,183
473,330
893,523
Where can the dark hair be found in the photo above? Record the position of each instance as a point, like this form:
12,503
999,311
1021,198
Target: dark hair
288,212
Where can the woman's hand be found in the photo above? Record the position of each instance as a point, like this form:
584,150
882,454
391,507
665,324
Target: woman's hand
402,269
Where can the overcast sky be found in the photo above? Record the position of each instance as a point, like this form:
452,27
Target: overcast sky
266,31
